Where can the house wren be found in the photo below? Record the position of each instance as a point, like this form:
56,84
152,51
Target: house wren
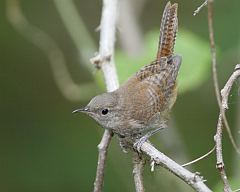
141,106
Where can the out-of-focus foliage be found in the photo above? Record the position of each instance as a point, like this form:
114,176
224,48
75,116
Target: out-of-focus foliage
45,148
194,50
195,66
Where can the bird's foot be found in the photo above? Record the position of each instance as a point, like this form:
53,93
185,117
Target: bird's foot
138,144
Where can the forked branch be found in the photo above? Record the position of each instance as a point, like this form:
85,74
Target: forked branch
222,102
218,137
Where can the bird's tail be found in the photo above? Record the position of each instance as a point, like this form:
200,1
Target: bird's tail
168,30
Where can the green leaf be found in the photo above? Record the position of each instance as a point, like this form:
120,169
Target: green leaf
195,59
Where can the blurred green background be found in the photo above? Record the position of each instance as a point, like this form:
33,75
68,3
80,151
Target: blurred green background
43,147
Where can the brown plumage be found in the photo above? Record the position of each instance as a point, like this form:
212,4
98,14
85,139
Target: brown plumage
142,104
168,31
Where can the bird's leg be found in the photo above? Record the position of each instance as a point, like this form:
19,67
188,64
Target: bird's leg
124,142
138,144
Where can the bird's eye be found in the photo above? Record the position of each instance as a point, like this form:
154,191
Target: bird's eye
105,111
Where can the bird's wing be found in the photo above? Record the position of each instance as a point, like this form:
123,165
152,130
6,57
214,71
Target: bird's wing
155,86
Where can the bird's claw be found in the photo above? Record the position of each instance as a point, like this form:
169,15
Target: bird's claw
138,144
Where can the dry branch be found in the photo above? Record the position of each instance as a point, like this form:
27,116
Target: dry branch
192,179
222,120
214,73
218,137
138,165
105,60
200,7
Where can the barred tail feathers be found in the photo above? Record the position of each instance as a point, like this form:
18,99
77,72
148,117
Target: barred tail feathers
168,30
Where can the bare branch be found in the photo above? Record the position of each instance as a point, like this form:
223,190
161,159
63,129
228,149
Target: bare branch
105,59
228,86
225,94
200,7
192,179
215,78
102,149
213,52
138,164
220,164
218,136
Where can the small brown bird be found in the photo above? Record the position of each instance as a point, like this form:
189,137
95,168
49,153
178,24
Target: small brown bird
141,106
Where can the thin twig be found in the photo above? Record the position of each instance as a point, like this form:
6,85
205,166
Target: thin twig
215,78
105,60
200,158
220,163
225,95
192,179
228,86
213,52
102,149
200,7
218,136
138,164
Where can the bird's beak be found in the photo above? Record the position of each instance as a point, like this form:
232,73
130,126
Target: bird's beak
82,110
